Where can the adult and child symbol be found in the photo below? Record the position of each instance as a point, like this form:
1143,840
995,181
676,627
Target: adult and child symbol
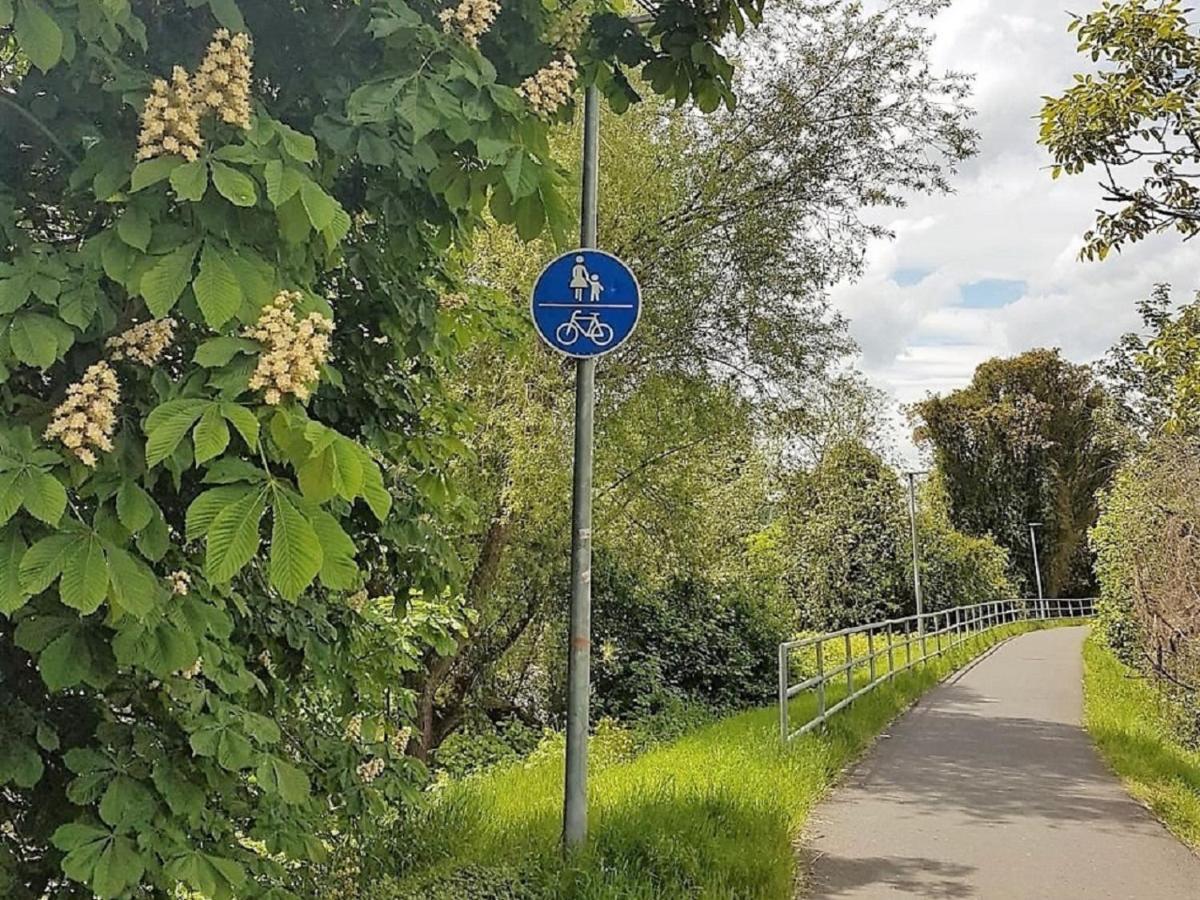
582,280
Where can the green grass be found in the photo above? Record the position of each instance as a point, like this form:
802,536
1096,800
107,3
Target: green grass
714,814
1128,723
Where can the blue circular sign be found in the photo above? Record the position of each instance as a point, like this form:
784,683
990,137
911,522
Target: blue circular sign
586,303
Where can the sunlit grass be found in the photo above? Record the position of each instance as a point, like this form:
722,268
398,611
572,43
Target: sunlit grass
713,814
1126,719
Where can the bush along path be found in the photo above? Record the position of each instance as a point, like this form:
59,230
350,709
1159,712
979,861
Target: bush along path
713,814
991,788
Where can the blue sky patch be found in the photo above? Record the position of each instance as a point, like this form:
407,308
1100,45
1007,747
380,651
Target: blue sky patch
909,277
991,293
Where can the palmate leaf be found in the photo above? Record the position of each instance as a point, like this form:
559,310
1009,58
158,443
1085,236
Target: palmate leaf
233,538
338,570
218,292
213,876
283,779
85,575
167,424
205,508
295,551
12,548
166,278
211,436
44,561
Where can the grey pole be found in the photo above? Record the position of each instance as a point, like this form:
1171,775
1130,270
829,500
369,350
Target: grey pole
916,550
579,650
1037,568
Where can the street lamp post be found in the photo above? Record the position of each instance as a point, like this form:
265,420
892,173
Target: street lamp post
1037,567
916,550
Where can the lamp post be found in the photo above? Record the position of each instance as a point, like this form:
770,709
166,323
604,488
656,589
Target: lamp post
916,550
1037,567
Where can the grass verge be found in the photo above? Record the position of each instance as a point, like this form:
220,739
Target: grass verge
713,814
1125,717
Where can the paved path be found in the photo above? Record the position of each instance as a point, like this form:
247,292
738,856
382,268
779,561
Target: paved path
990,788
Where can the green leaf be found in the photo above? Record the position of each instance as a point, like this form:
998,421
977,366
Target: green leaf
190,181
226,13
44,496
134,587
184,797
127,803
33,338
135,509
119,868
38,35
160,649
217,289
205,508
233,537
373,489
167,424
338,569
282,182
244,421
12,548
211,436
20,763
522,175
233,185
295,550
320,207
13,293
12,491
299,146
67,661
218,351
283,779
84,576
166,278
134,228
152,171
531,217
44,561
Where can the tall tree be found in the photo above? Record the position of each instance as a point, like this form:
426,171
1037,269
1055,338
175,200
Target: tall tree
1136,119
1025,442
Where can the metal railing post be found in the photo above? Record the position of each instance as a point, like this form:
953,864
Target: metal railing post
783,692
821,681
871,651
849,667
891,653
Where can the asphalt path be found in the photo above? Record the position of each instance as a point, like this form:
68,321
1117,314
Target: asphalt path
990,788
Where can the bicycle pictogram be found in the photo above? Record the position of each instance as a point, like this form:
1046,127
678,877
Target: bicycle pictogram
586,325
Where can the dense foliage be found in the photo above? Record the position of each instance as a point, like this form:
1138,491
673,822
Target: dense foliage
1027,441
1134,118
201,488
1147,560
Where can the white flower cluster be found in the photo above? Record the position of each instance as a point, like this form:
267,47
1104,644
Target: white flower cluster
400,740
223,82
144,343
85,420
181,583
353,732
295,349
358,600
371,769
170,119
550,86
193,670
566,31
471,19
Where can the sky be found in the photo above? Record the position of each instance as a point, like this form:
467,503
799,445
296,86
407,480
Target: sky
993,268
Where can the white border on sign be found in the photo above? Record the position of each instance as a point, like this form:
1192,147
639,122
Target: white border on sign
636,319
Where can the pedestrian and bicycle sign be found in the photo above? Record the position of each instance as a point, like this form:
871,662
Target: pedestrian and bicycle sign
586,303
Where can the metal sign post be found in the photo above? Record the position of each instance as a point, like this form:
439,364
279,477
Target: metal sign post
1037,568
584,304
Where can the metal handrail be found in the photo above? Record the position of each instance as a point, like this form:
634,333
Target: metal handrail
945,629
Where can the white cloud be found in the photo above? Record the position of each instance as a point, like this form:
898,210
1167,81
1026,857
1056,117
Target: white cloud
1007,220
